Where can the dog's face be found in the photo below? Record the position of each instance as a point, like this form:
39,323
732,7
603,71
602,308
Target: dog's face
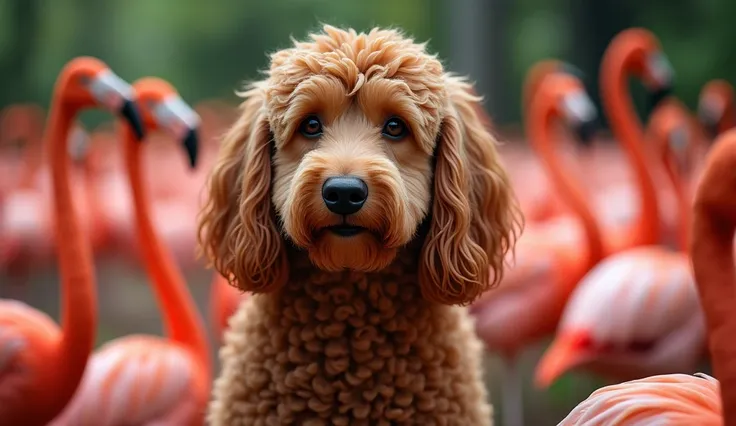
348,145
353,172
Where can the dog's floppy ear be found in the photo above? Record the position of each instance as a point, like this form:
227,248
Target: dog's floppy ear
475,216
237,229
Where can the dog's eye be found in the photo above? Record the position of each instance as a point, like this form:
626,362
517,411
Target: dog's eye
394,129
311,127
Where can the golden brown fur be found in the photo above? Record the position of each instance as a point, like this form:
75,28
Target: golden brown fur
440,217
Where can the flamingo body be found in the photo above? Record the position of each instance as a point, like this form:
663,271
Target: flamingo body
635,314
28,339
673,400
139,380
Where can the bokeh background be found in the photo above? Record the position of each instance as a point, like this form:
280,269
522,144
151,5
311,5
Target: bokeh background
207,48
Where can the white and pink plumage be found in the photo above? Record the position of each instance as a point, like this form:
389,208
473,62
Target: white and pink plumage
672,400
636,314
135,379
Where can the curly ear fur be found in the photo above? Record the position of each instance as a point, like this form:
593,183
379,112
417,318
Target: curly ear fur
237,229
475,215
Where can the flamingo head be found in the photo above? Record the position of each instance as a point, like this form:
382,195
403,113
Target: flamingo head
163,109
535,75
89,82
715,99
575,106
648,62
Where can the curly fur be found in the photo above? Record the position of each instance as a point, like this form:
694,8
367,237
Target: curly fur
360,329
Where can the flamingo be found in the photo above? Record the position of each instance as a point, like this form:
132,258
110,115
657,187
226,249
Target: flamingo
636,313
41,364
637,52
531,299
550,256
538,201
142,379
681,399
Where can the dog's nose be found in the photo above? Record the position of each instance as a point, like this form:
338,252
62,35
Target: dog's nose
344,194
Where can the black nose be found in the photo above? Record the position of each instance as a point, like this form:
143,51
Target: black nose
345,194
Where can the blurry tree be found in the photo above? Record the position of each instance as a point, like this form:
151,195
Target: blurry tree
208,49
20,20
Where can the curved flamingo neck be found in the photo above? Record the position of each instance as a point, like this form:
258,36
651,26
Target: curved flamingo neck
712,256
680,185
539,127
76,267
182,322
628,130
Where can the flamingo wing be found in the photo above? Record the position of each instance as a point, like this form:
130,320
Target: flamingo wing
139,380
673,399
27,339
12,382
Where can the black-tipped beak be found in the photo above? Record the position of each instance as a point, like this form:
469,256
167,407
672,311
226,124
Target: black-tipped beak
132,114
710,127
191,146
656,97
585,131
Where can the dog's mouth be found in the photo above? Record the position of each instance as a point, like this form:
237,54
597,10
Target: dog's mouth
345,230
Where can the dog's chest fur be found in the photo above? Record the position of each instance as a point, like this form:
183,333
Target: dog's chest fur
350,348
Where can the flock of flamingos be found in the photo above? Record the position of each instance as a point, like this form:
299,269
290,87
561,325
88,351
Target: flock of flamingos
626,259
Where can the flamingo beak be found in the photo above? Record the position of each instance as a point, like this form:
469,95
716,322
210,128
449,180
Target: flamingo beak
582,115
118,97
180,119
710,111
566,352
659,81
191,146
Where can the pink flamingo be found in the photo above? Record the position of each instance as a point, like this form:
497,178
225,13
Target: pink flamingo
555,254
679,399
41,364
143,379
636,313
530,301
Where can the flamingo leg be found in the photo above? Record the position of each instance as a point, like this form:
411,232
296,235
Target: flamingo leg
512,400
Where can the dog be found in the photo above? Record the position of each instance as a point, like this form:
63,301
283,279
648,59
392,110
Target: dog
360,198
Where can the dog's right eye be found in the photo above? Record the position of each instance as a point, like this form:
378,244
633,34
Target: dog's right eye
311,127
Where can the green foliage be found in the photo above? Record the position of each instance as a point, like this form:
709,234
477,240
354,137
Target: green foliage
207,49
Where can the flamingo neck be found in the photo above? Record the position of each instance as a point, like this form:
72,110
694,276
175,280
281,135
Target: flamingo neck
76,268
712,258
182,322
539,127
628,130
684,202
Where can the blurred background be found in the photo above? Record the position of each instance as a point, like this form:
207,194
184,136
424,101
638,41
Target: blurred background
207,49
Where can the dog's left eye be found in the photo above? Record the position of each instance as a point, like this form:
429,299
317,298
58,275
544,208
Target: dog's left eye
394,128
311,127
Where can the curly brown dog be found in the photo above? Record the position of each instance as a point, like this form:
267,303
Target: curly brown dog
361,199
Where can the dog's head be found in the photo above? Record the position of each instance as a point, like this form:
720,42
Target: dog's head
350,143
